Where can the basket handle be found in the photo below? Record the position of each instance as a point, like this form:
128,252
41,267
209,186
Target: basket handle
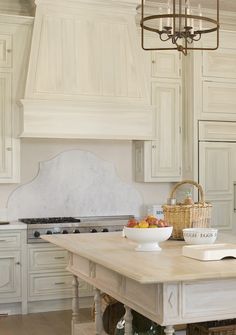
202,198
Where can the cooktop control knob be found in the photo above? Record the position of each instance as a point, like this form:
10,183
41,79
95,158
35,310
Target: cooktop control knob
105,230
65,231
56,230
36,234
76,231
93,230
49,232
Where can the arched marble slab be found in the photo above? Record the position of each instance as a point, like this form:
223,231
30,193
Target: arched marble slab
74,183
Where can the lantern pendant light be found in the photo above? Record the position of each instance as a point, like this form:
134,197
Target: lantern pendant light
181,24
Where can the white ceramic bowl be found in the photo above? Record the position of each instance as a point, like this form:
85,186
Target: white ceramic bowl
200,235
148,238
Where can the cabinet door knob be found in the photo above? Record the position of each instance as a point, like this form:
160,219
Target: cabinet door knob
9,50
153,61
9,148
17,263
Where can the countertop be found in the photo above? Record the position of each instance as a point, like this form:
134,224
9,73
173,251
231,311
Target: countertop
168,265
13,225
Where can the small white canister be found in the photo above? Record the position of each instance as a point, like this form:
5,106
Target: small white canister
157,211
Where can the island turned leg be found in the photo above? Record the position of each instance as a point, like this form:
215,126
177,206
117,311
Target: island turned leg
98,312
128,317
75,304
169,330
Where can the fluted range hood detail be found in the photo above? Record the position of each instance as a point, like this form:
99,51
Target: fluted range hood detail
86,76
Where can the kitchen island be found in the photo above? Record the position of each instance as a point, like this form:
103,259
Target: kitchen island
164,286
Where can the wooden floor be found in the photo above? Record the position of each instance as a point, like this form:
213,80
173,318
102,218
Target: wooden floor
51,323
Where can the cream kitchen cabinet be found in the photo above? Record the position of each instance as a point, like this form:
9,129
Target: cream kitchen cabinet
165,64
49,284
210,95
10,275
217,80
160,160
217,169
221,64
12,294
15,33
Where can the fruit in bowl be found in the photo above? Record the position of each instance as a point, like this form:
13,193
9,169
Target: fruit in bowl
149,222
148,233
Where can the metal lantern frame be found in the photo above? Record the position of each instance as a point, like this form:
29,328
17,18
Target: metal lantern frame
174,33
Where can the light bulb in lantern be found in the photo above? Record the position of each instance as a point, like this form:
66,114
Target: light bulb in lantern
168,12
188,12
192,23
160,20
200,14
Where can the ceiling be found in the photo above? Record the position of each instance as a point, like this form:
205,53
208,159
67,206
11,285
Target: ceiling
226,5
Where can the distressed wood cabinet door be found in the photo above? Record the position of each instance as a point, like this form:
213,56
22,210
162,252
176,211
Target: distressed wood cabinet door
10,275
166,151
6,126
160,160
15,33
217,166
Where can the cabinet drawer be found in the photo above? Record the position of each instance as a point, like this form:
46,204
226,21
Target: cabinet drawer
5,50
47,259
10,240
54,286
209,297
217,131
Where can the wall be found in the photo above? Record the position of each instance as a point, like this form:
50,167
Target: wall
117,152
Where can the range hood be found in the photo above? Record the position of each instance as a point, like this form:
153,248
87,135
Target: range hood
86,75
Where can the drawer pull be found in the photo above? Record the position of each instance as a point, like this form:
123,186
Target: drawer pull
3,240
59,257
60,283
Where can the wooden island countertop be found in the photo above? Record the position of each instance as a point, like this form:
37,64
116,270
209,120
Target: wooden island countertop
168,265
164,286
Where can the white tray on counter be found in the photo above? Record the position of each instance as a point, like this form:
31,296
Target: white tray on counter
210,252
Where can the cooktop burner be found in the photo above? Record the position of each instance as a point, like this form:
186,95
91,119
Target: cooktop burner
50,220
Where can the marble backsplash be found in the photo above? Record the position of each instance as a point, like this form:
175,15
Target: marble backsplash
74,183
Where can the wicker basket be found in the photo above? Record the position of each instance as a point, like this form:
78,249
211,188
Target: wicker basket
182,216
224,327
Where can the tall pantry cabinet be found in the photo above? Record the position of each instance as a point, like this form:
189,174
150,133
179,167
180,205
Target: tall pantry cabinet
212,148
15,38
